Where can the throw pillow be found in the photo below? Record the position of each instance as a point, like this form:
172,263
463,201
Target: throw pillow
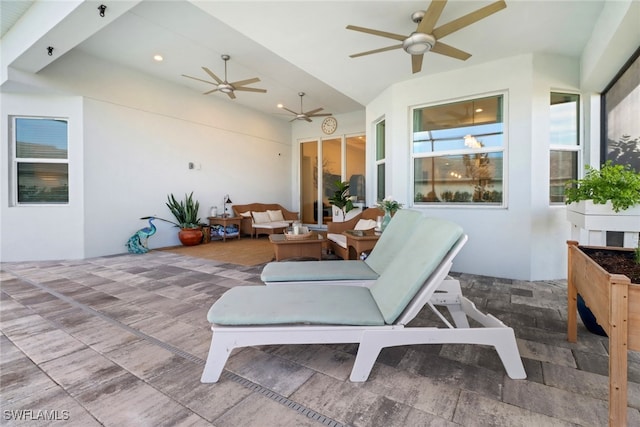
365,224
275,215
260,217
246,214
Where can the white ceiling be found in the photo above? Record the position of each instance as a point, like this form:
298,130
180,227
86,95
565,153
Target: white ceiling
295,46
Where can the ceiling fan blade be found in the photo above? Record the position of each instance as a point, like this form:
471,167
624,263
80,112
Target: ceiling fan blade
211,91
468,19
245,82
416,63
213,76
445,49
308,119
431,16
291,111
200,80
320,115
250,89
312,112
398,37
231,95
369,52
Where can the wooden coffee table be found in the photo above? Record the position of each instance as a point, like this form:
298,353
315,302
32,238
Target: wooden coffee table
359,241
298,248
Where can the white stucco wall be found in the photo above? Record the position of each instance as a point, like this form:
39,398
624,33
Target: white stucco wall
49,231
526,238
131,140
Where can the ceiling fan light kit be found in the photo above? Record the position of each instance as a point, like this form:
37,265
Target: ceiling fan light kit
426,37
418,43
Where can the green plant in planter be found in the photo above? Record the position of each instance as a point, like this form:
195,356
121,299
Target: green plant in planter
341,198
618,183
185,212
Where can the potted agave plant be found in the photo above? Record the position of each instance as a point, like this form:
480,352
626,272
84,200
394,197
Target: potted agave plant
186,214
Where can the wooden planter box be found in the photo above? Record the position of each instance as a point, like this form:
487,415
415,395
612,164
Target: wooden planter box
615,302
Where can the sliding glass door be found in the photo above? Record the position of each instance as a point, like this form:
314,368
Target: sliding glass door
324,162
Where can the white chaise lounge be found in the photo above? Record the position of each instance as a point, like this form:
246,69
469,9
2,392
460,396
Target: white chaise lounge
352,272
375,317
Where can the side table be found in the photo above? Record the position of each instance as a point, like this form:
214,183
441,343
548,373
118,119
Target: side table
225,221
359,241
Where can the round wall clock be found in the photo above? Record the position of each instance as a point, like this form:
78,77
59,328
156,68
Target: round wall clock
329,125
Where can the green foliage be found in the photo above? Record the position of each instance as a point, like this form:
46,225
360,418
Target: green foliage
388,204
617,183
341,198
185,212
638,254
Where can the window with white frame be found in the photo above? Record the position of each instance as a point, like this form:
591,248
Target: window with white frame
564,143
380,160
458,152
39,161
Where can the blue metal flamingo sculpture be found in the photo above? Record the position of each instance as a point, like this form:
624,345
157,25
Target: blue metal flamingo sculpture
137,244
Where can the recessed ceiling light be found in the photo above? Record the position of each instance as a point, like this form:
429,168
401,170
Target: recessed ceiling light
158,58
479,110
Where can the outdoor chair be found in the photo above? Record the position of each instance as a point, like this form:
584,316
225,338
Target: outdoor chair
375,317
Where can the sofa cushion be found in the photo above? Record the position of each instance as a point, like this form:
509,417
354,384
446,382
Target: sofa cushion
365,224
275,215
245,214
260,217
271,225
339,239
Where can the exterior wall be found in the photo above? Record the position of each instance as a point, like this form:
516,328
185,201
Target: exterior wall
43,232
131,141
525,239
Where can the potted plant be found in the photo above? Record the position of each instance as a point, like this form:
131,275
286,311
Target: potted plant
341,198
390,207
607,199
186,214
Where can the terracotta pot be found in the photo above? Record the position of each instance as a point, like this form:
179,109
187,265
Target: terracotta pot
190,236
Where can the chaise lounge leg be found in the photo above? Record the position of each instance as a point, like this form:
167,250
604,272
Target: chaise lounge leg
368,351
219,352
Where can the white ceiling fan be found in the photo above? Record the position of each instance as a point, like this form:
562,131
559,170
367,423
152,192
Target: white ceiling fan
302,115
426,38
224,86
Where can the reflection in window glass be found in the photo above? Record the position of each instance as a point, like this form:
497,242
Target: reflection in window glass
40,162
380,159
564,167
458,152
564,143
355,166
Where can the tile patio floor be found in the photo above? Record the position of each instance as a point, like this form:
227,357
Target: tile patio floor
121,341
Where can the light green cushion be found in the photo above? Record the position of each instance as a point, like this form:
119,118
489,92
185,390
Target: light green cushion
291,271
392,239
306,304
430,240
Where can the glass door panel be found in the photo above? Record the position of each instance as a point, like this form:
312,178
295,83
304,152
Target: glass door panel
355,166
331,172
309,182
